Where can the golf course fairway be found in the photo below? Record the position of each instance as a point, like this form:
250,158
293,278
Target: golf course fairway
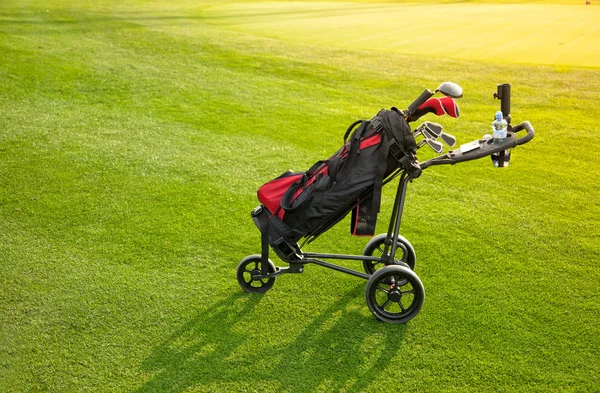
134,135
566,34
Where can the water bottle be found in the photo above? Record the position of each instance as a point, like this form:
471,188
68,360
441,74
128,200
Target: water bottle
499,127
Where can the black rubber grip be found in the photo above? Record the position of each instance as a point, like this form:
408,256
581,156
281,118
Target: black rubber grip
425,95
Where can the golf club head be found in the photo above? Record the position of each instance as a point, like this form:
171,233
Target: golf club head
434,129
448,139
429,135
450,89
435,145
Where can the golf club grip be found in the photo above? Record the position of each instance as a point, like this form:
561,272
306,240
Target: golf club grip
425,95
524,126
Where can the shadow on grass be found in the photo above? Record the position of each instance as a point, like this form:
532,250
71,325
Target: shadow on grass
342,348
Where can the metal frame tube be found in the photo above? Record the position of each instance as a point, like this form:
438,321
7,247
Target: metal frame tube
394,228
309,256
340,268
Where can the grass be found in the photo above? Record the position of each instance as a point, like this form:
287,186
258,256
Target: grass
133,137
521,33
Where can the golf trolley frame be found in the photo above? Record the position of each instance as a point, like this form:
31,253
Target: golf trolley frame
394,293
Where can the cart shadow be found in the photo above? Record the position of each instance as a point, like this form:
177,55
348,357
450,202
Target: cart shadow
329,353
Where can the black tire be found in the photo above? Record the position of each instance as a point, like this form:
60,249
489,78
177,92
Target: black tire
247,272
395,294
404,253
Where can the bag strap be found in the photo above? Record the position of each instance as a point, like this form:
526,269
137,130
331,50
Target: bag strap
263,226
380,174
288,197
354,151
349,130
311,171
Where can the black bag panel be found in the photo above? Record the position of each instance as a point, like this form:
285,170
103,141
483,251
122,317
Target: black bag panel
342,164
400,131
324,174
328,196
363,219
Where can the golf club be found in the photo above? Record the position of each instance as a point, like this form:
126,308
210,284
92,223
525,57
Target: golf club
448,139
450,89
419,131
435,145
435,131
425,95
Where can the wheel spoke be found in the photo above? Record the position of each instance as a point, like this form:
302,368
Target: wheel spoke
401,306
385,304
374,264
250,274
380,249
409,291
382,288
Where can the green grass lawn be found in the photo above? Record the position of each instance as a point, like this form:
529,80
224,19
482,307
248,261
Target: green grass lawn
133,138
520,33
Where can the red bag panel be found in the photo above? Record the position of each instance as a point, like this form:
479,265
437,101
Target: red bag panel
370,141
270,194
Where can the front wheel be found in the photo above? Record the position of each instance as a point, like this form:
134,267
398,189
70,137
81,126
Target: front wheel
249,274
395,294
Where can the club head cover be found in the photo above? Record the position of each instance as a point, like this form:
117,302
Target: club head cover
449,106
439,106
432,105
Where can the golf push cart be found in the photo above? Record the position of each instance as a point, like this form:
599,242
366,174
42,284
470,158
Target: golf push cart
302,205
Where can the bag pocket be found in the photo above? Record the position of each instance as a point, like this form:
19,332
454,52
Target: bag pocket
301,191
271,193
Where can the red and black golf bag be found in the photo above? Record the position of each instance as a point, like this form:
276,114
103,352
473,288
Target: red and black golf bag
299,205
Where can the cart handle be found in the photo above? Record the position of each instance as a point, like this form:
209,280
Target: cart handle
523,126
484,148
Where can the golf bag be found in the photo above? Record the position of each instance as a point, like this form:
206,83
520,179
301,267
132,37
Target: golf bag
299,205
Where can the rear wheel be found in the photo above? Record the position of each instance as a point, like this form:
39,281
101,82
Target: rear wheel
395,294
249,274
375,247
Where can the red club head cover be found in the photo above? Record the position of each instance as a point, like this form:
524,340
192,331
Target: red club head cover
439,106
449,106
433,105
